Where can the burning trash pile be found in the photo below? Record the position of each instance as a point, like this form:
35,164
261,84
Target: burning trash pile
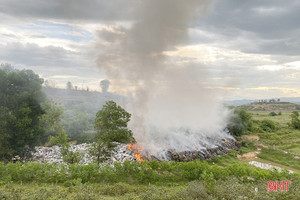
134,152
204,153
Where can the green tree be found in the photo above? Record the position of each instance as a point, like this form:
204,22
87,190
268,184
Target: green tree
240,122
111,125
50,120
62,140
295,121
76,123
20,111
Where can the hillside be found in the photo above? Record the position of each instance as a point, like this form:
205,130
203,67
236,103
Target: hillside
270,106
79,109
70,97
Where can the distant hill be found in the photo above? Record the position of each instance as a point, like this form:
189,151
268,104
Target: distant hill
291,99
270,106
238,102
79,110
69,97
295,100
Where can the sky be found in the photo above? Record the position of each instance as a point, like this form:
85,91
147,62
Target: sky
250,49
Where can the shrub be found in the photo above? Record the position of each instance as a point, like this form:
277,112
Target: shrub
268,125
240,122
272,114
295,121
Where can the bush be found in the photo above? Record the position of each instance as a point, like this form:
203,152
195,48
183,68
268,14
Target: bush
295,121
268,125
240,122
272,114
131,172
279,113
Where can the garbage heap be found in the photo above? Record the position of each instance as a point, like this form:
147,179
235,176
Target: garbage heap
53,154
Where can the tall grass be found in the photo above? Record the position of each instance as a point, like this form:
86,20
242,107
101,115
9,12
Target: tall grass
130,172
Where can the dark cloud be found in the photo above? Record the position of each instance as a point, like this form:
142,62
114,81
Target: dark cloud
34,55
49,60
269,26
69,10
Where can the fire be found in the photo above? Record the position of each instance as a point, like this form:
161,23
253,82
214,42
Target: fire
137,151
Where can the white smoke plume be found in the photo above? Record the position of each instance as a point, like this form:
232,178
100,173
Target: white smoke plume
172,108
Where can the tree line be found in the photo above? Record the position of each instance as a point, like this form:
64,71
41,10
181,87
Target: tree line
28,119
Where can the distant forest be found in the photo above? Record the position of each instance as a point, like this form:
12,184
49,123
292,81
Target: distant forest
79,109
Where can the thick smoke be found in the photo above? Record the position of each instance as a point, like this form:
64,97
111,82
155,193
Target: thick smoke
172,109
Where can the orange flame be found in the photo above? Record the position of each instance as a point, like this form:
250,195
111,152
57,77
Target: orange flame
137,151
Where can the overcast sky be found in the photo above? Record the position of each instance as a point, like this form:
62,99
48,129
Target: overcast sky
251,49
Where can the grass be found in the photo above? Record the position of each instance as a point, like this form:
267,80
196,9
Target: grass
282,119
280,157
231,188
223,177
284,139
224,160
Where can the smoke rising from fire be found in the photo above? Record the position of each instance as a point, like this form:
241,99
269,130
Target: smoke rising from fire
172,108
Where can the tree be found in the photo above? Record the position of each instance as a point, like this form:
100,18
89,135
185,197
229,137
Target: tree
20,111
295,121
51,120
111,125
104,84
240,122
69,86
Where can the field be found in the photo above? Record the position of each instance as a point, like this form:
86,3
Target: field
285,138
224,177
146,180
231,188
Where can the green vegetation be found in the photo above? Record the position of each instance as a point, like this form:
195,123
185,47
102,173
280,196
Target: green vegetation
134,173
268,125
20,112
28,119
146,180
62,140
272,113
278,156
240,122
232,188
270,106
295,122
78,119
50,121
111,124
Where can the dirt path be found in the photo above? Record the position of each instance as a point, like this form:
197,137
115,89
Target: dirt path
247,157
252,156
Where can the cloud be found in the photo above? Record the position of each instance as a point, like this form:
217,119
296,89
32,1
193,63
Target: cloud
268,27
240,42
88,10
